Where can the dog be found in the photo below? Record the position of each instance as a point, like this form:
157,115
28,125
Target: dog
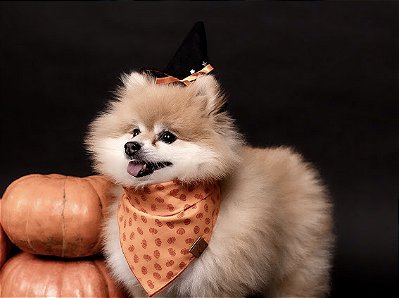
273,234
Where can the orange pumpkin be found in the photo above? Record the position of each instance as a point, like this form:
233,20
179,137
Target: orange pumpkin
5,245
55,214
27,275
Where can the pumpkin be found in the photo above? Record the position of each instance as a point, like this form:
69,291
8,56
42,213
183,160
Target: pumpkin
5,245
27,275
55,214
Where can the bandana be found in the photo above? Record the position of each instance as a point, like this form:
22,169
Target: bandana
164,227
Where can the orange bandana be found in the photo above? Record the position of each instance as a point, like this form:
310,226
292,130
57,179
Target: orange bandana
163,227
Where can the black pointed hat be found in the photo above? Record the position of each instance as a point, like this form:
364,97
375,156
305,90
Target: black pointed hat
191,55
190,60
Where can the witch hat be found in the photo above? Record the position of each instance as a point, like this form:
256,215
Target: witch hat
190,60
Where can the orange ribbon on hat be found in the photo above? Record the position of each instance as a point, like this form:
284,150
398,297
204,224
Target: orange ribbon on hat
164,227
187,80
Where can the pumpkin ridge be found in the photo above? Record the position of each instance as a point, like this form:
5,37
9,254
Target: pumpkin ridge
104,206
26,232
63,219
12,273
101,274
96,192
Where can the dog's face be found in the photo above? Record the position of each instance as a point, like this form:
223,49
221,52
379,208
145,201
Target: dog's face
155,133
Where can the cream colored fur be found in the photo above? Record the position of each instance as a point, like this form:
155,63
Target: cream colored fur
274,231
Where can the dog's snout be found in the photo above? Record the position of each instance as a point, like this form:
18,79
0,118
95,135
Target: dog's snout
131,148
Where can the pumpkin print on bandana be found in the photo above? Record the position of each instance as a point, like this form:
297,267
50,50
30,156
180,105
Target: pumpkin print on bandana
158,225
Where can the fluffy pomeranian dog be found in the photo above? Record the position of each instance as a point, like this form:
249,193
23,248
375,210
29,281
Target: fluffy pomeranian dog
273,235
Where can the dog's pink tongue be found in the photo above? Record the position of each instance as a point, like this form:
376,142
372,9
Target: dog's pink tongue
134,168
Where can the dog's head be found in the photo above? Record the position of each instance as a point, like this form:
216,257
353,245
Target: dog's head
155,133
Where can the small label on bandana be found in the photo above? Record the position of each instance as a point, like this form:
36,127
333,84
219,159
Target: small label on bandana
198,247
164,227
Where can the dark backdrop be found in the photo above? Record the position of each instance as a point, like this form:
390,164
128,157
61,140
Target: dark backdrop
321,77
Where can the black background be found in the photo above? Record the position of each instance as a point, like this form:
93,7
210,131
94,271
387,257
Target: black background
321,77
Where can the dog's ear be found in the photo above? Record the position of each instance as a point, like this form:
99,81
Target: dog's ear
207,88
135,80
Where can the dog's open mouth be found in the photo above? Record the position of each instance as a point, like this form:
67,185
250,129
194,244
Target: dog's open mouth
140,168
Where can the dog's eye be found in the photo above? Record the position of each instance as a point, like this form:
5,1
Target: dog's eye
167,137
136,131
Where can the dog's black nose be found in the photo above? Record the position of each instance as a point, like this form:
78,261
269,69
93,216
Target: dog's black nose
131,148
